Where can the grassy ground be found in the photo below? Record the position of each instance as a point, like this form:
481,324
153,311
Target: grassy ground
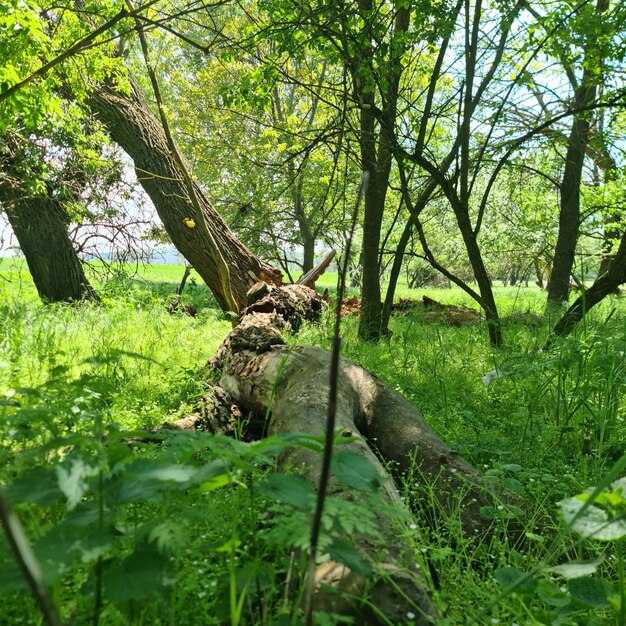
548,425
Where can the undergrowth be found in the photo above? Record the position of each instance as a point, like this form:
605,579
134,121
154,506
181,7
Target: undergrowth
196,529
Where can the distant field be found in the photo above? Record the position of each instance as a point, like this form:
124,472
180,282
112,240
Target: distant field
509,298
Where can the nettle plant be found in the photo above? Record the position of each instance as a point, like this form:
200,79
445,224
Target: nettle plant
115,517
580,591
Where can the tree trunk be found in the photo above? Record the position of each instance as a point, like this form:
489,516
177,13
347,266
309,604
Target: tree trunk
396,268
376,159
40,225
133,126
569,214
306,233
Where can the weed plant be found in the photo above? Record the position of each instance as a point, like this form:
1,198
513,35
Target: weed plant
178,532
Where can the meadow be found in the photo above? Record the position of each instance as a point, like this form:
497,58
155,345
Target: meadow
77,382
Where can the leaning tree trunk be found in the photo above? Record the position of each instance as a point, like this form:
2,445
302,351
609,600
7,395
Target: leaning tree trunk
605,284
40,225
133,126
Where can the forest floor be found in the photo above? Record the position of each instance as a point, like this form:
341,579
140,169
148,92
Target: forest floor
547,425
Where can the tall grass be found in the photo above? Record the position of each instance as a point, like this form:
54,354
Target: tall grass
549,425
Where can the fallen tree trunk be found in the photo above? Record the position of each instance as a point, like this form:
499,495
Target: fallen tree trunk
264,375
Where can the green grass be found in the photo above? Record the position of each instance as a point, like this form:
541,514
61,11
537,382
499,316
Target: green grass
550,426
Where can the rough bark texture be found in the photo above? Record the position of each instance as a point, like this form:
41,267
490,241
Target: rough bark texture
487,300
40,225
260,373
133,126
376,144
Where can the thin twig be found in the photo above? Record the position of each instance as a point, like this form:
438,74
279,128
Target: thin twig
27,561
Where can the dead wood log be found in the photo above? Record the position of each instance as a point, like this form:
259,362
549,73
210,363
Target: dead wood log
308,279
263,374
296,378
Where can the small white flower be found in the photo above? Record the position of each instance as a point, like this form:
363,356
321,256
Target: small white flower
410,615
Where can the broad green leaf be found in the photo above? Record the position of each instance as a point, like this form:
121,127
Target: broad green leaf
575,569
216,482
345,553
589,591
512,467
72,478
143,574
123,489
551,594
39,485
356,471
591,522
169,535
65,545
513,485
256,575
291,489
12,578
519,581
145,469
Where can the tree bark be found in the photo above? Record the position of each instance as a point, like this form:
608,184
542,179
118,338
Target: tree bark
376,158
40,225
291,385
132,125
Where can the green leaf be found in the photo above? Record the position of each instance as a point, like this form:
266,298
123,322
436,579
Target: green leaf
345,553
255,575
551,594
72,479
520,582
214,483
356,471
12,577
514,485
512,467
230,546
141,575
291,489
146,469
590,521
575,569
591,592
39,485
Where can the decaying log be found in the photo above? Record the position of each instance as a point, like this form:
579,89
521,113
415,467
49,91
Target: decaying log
297,379
263,374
